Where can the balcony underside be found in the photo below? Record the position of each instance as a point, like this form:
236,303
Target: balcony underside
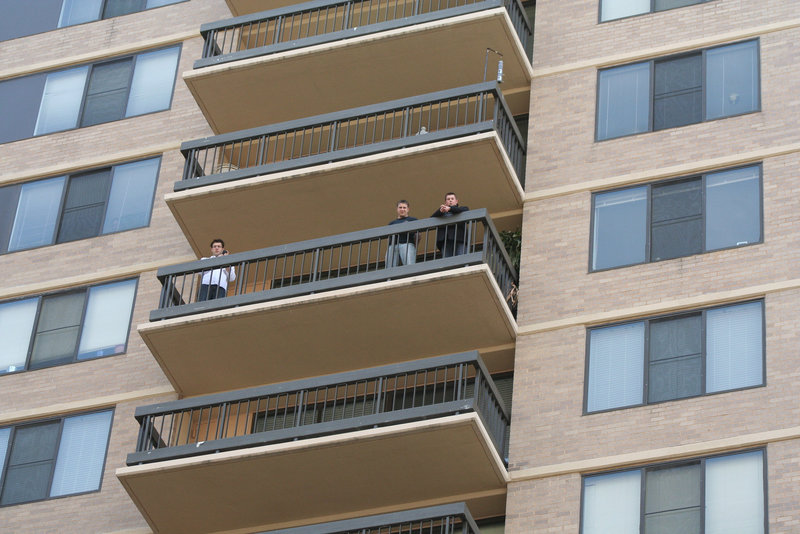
323,479
245,7
351,195
382,323
364,70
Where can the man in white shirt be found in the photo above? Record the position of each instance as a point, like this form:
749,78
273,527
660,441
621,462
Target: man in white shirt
214,283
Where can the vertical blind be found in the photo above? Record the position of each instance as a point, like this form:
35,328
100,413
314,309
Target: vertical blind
616,362
81,454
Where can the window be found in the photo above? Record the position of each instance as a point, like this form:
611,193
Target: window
24,17
67,208
66,327
716,495
676,91
53,458
676,218
89,94
674,357
617,9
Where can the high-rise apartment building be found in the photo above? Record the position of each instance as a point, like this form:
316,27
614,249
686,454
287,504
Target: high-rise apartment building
334,373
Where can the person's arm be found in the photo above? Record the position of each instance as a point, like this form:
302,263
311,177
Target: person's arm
458,209
437,213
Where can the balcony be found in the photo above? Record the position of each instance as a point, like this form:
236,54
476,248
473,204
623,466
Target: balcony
333,447
329,55
444,519
241,184
335,304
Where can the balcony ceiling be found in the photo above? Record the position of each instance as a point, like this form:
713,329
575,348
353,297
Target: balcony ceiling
382,323
352,195
245,7
364,70
322,479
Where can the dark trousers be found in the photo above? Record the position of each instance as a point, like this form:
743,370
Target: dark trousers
452,248
211,292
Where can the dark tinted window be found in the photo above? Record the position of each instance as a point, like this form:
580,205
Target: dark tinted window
30,463
26,17
673,499
19,106
107,94
676,220
676,358
116,8
678,92
58,329
84,206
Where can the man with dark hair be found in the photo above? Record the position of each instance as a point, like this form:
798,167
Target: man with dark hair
402,249
214,283
451,239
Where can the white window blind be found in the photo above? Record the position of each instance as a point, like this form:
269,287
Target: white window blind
131,197
153,78
616,364
81,454
611,503
734,347
616,9
735,494
61,101
16,325
37,214
108,314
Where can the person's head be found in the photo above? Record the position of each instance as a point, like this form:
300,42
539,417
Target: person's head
450,199
217,246
402,209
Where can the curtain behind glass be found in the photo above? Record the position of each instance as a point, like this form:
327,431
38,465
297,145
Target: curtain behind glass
732,80
616,9
153,78
611,503
734,351
107,321
16,328
620,228
131,198
624,101
81,454
616,362
735,494
733,208
79,11
37,214
61,101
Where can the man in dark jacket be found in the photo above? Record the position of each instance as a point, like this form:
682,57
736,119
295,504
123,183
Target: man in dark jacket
451,239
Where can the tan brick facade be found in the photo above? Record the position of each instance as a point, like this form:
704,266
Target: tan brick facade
552,442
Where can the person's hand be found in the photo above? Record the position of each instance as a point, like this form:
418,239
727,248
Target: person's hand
444,208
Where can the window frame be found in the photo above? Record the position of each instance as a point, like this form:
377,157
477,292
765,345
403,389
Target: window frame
649,220
646,356
90,68
652,11
60,420
103,5
61,203
678,463
651,100
32,336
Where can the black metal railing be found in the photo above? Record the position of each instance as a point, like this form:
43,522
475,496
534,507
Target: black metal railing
324,21
445,519
368,398
336,262
353,133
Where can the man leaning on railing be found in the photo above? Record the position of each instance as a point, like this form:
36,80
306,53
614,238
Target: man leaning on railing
214,283
451,239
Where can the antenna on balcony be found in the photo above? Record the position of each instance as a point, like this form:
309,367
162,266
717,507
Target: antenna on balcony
499,65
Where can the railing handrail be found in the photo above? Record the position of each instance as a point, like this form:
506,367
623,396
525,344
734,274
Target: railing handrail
472,357
310,244
360,523
296,8
314,120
